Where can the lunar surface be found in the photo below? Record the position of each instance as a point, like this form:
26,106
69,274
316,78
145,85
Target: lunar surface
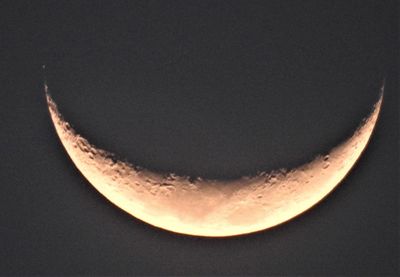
213,208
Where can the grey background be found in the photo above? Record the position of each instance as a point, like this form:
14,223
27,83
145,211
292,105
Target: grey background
217,89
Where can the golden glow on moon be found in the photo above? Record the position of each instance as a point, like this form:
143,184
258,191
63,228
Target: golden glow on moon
211,207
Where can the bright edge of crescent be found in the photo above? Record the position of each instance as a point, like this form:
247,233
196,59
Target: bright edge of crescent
213,208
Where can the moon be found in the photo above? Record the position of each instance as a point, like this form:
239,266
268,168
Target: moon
213,208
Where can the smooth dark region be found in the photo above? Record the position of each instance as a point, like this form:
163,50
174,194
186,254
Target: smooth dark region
218,89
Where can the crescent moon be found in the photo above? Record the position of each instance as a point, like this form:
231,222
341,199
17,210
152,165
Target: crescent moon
213,208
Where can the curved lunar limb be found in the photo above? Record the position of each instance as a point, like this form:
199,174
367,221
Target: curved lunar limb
213,208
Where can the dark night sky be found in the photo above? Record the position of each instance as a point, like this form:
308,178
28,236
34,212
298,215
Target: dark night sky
216,89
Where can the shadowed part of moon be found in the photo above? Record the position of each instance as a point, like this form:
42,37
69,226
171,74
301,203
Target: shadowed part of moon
213,208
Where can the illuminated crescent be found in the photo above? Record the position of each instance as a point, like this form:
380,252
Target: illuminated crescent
213,208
